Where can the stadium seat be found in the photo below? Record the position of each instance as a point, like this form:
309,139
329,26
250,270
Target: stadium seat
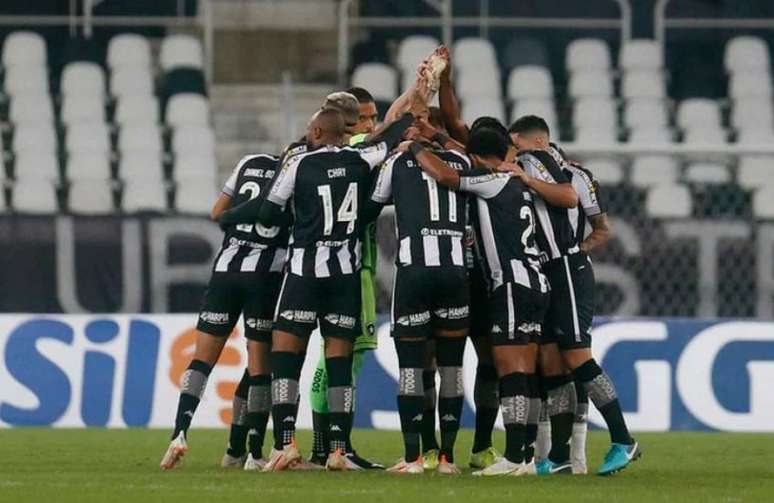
131,81
33,197
595,112
33,164
587,54
83,78
413,49
645,112
605,171
193,139
524,52
37,136
650,170
195,198
88,137
82,108
752,113
182,80
144,195
701,113
707,173
91,197
641,54
473,52
128,50
530,82
763,203
593,83
201,167
140,137
137,110
643,84
31,107
701,136
541,107
26,80
379,79
473,84
88,166
181,50
187,110
141,166
24,48
755,171
750,85
3,205
755,136
594,135
669,201
473,108
746,53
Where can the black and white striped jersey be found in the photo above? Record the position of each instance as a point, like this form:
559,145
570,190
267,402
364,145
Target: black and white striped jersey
325,187
429,218
555,234
252,247
591,200
504,221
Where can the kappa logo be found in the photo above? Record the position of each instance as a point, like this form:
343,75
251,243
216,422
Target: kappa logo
299,316
335,427
289,419
417,418
449,417
214,318
496,329
414,320
341,320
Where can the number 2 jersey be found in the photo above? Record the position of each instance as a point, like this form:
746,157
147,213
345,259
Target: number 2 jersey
252,247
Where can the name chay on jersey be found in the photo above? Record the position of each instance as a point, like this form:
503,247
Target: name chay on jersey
324,186
430,219
504,221
252,247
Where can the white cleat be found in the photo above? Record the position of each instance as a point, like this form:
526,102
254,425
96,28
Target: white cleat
578,449
446,468
502,467
413,468
281,460
175,452
254,465
530,468
338,461
230,461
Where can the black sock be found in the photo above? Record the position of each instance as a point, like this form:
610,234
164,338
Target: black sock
601,392
582,403
192,388
449,354
258,410
515,407
533,394
320,442
238,433
284,396
561,411
429,441
411,394
486,397
339,371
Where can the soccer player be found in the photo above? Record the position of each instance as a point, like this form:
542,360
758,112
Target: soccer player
505,226
430,298
322,285
245,280
566,344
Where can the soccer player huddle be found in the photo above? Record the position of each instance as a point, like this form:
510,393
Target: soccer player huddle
493,228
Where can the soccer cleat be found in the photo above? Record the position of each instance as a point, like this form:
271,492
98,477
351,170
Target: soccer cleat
502,467
303,465
318,458
530,468
618,457
230,461
175,452
254,465
413,468
363,462
548,467
430,459
578,449
280,460
338,461
446,468
484,459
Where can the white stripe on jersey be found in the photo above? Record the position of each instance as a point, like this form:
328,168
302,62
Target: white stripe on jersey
457,256
279,297
278,262
546,227
358,253
431,251
297,262
250,262
520,274
225,258
572,214
575,324
321,257
490,248
404,254
511,312
345,260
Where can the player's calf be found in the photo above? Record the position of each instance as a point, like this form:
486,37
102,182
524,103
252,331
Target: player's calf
411,396
449,353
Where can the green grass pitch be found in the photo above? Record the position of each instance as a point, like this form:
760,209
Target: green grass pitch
46,465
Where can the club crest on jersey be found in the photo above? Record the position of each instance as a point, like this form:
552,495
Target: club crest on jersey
414,320
340,320
299,316
214,318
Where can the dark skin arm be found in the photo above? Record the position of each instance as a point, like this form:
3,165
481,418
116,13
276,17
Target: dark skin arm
557,194
450,107
600,233
430,133
436,168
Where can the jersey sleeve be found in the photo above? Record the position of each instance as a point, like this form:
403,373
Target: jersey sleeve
588,192
542,166
482,182
230,186
373,153
383,187
284,182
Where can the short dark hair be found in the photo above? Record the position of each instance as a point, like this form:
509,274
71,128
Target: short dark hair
489,122
361,94
529,124
488,142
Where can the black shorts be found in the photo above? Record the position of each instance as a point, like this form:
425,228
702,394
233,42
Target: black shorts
516,313
333,302
479,304
571,308
230,294
426,299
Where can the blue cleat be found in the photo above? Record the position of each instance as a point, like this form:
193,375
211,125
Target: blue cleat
618,457
548,467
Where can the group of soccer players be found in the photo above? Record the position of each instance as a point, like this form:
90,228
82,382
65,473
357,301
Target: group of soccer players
493,230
